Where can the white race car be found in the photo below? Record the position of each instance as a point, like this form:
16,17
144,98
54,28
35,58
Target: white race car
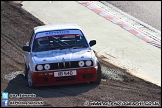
60,54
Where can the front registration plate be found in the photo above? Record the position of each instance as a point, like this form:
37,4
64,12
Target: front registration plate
65,73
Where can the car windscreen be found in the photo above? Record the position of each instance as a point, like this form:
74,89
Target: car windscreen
60,39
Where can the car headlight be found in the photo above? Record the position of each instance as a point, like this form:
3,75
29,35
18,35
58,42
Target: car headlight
88,62
47,66
81,63
39,67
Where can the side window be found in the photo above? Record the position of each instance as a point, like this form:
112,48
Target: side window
30,41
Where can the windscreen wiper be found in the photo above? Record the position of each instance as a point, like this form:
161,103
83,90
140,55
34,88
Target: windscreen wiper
79,46
65,47
57,47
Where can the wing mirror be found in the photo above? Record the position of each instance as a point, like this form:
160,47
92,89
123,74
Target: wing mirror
92,42
26,48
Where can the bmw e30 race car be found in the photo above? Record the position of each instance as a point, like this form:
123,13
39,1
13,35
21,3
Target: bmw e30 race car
60,54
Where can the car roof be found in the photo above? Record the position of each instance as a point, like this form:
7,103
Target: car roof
55,27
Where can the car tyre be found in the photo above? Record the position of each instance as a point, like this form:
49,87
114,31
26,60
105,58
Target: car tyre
25,71
98,79
29,80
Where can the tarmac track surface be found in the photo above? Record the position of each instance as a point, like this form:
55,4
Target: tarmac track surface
148,12
116,85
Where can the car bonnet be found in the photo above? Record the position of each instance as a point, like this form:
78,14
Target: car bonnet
63,55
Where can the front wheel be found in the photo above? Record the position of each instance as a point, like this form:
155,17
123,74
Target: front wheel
25,71
29,79
98,79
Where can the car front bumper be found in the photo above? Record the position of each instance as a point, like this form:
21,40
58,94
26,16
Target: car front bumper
47,78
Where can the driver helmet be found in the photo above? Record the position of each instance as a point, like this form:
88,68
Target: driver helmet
42,42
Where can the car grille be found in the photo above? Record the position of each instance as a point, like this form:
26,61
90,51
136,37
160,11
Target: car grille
65,65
